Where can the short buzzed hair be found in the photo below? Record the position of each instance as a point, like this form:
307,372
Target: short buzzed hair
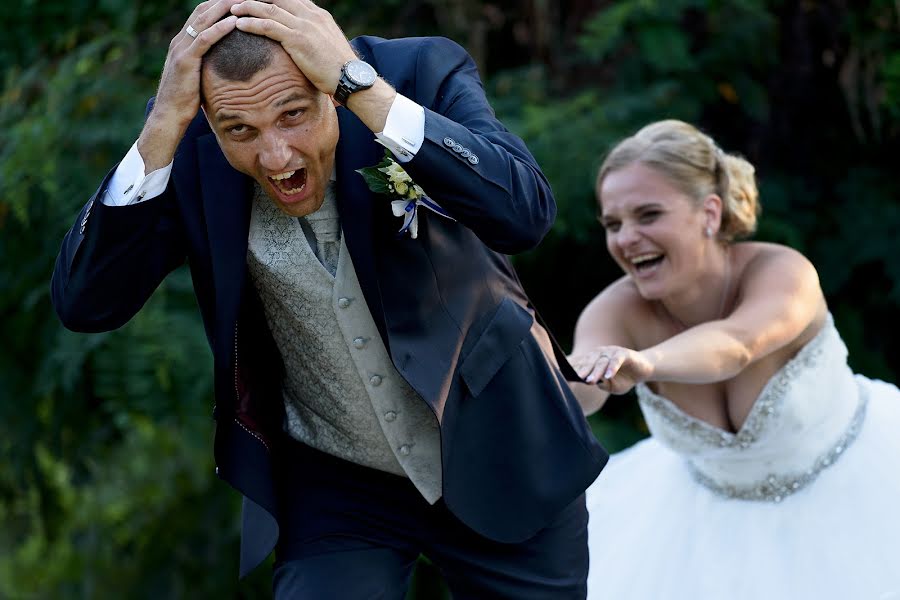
240,55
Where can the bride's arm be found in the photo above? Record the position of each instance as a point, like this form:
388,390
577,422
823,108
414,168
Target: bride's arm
779,297
601,322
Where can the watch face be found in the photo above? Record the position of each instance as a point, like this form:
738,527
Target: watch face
361,73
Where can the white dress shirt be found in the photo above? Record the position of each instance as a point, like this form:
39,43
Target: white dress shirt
404,132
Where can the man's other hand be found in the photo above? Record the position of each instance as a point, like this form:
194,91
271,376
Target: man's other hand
308,33
178,97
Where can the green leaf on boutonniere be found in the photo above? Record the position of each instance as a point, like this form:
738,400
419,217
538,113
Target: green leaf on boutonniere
375,180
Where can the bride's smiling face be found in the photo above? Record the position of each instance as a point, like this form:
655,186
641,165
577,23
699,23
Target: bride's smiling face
654,231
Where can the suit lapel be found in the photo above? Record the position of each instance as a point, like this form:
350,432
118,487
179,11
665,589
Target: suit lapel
356,150
226,205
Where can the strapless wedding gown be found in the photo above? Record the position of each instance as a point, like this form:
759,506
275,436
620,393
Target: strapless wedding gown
803,502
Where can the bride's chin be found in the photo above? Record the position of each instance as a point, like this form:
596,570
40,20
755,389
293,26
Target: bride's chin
650,290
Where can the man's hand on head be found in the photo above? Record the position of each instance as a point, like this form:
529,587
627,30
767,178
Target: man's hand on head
318,47
178,96
307,32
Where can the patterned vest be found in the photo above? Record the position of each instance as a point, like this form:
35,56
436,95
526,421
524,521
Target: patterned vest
342,393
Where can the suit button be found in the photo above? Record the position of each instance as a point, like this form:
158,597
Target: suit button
375,380
466,153
390,416
344,302
404,450
458,148
473,159
449,142
359,343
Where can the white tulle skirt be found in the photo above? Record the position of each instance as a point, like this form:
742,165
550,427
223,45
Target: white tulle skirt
656,534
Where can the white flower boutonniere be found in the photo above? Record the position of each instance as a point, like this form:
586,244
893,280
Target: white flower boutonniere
389,179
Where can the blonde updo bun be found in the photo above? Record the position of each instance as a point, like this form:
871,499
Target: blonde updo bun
693,162
740,197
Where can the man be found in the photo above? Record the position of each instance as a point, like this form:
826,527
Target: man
378,395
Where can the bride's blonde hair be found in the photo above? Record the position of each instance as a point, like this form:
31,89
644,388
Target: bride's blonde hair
693,162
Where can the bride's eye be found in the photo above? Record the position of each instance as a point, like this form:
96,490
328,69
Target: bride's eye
649,216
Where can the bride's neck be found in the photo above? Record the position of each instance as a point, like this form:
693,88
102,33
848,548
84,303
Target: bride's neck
705,299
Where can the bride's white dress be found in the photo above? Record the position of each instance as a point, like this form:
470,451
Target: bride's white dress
803,502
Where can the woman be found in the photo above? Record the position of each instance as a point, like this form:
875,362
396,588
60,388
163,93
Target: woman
772,471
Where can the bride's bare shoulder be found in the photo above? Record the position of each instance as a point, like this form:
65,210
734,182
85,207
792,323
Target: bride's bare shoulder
767,256
619,311
620,296
764,269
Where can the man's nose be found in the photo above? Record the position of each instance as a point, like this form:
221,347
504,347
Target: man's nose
275,154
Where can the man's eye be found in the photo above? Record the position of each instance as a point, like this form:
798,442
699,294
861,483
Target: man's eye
649,216
293,114
237,129
612,226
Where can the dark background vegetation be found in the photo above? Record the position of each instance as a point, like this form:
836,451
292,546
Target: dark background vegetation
106,476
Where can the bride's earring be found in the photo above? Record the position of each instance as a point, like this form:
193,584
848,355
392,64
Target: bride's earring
708,231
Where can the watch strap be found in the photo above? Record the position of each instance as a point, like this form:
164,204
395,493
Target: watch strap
347,86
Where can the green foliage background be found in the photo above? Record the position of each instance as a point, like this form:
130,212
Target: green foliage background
106,482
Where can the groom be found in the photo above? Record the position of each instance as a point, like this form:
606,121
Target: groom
378,395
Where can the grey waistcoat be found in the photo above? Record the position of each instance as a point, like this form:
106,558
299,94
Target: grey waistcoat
342,394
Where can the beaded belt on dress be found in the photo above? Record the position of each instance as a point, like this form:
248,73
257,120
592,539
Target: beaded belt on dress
774,488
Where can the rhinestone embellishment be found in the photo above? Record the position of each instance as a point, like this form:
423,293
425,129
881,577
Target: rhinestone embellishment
775,488
764,409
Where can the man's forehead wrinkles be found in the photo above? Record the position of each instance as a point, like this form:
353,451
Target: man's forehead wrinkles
257,92
249,99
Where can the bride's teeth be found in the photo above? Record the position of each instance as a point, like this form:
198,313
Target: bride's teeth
643,257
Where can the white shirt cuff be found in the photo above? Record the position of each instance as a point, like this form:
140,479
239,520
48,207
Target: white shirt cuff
404,130
128,185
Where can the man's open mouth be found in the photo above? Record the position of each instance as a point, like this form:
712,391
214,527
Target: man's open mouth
290,182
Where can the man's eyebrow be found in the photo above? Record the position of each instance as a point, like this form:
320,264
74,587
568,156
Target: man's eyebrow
292,98
224,117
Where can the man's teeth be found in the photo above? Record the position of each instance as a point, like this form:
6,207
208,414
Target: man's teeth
642,258
279,178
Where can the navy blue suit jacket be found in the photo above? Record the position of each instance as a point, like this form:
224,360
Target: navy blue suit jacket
515,446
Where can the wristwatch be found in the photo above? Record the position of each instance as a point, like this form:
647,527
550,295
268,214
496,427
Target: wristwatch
356,75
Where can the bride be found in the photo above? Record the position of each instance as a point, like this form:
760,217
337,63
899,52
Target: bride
772,470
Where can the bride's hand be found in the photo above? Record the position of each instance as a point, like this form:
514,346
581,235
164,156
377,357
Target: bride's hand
613,368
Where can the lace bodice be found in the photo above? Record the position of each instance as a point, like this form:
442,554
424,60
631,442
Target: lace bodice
802,421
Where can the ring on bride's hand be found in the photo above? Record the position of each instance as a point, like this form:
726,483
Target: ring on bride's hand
191,31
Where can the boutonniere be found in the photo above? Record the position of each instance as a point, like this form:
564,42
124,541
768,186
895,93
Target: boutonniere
389,179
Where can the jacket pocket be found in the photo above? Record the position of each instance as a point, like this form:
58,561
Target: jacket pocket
507,328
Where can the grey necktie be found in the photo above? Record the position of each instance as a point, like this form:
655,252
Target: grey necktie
326,231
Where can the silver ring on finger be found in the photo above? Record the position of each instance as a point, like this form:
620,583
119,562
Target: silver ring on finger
191,31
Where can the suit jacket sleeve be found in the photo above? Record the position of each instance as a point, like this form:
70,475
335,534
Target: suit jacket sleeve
112,259
500,194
